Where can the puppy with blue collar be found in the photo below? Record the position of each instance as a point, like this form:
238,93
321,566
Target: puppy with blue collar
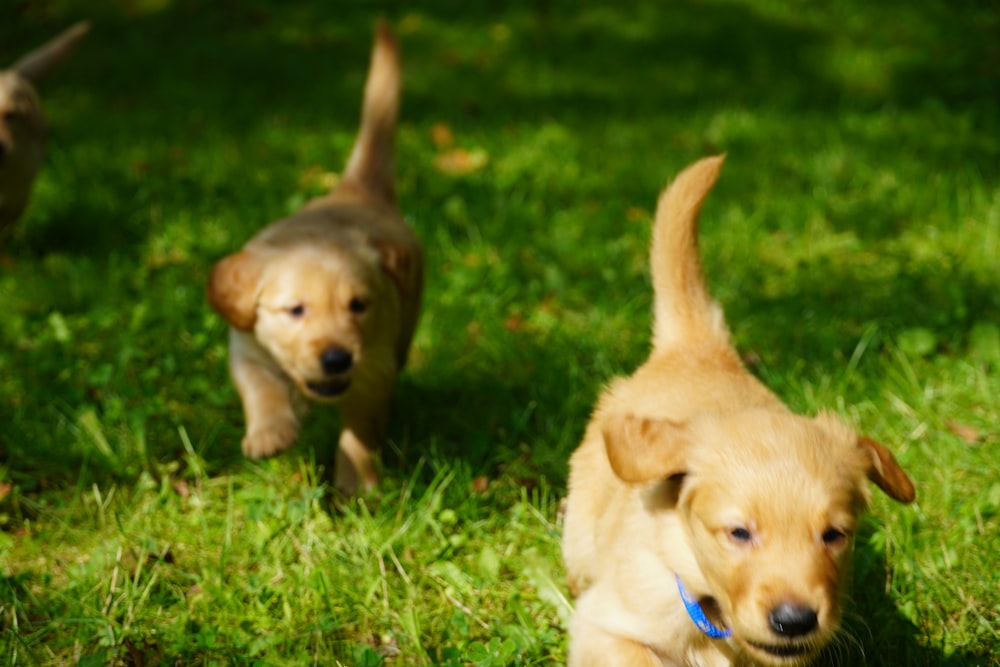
706,523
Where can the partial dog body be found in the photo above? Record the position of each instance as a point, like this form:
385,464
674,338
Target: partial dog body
694,479
324,304
22,125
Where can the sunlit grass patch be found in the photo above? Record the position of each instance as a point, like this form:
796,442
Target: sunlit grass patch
853,240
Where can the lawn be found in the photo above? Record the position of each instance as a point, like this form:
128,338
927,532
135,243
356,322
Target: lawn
854,240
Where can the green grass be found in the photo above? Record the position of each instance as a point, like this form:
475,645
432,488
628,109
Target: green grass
854,240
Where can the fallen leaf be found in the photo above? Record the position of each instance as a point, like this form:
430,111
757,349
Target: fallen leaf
514,323
481,484
968,433
459,162
5,489
442,135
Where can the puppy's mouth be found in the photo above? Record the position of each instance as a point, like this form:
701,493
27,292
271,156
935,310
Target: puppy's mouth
784,651
328,388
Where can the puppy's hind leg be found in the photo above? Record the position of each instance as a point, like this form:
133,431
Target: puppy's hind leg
271,424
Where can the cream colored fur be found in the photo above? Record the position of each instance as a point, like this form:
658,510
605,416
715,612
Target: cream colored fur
324,304
691,468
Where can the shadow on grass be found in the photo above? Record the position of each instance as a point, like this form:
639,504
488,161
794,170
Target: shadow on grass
195,76
171,77
495,62
506,424
876,633
825,313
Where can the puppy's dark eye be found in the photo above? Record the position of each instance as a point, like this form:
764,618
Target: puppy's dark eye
296,311
740,535
833,537
358,305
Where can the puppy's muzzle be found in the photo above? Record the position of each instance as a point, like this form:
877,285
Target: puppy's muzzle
335,362
790,622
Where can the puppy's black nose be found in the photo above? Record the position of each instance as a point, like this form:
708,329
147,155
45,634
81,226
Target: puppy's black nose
791,620
335,360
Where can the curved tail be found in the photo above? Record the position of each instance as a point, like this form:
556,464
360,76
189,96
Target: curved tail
371,165
683,310
35,65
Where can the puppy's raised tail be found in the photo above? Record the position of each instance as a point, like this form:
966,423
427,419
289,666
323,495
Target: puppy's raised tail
38,63
683,310
371,165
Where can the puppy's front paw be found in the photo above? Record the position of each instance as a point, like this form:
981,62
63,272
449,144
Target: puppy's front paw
349,481
267,441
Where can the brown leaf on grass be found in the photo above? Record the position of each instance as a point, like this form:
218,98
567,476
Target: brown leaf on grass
459,161
968,433
481,484
442,135
5,489
181,488
514,323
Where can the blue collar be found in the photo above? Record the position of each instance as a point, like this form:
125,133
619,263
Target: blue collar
697,614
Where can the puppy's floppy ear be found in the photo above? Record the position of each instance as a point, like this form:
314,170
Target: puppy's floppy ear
642,449
233,287
886,472
399,263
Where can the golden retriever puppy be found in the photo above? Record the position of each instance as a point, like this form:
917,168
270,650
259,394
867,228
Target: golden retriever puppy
22,125
324,303
706,524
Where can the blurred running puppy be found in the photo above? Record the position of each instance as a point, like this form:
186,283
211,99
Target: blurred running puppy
324,303
22,125
695,482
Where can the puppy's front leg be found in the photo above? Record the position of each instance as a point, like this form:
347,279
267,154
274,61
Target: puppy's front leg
271,424
597,648
363,426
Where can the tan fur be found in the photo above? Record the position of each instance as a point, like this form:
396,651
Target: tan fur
342,277
22,125
691,468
